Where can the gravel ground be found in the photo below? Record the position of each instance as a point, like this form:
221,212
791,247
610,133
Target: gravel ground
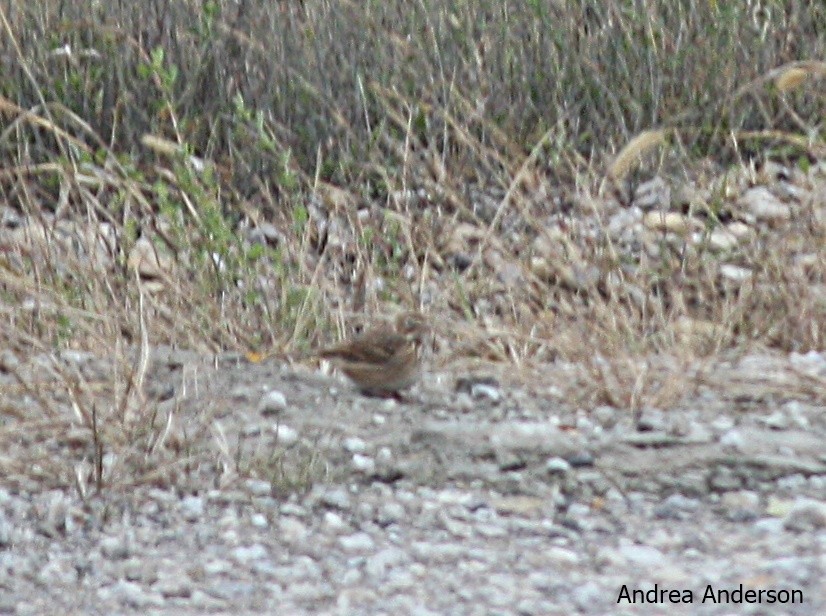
475,495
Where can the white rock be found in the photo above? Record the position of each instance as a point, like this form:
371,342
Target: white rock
217,567
777,420
176,585
740,230
623,220
743,500
812,363
357,542
720,239
541,437
245,554
672,222
114,547
732,439
354,444
735,273
382,561
258,487
286,436
761,203
806,515
259,520
334,522
272,403
192,508
483,390
562,556
391,513
642,555
57,572
768,526
131,594
364,464
292,530
722,423
338,498
557,466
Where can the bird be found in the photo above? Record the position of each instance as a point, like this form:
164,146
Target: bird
383,360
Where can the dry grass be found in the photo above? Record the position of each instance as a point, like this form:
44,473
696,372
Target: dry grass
453,161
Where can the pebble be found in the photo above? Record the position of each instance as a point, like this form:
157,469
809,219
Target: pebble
364,464
174,586
724,479
791,483
285,436
761,203
735,273
114,548
721,239
483,391
292,529
217,567
379,564
258,487
741,505
722,424
354,444
806,515
57,573
812,363
337,498
391,513
334,522
272,402
6,531
563,557
677,507
651,420
606,416
587,596
203,601
558,466
768,526
642,555
245,554
131,595
732,439
358,542
777,420
192,508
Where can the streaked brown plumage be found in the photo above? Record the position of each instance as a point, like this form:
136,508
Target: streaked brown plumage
382,360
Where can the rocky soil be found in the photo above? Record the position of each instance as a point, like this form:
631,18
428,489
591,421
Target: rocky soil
271,488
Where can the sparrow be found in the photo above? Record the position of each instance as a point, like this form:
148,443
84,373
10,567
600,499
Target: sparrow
383,360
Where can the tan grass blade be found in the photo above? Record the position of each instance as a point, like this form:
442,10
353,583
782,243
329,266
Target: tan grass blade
161,145
7,107
817,150
793,75
633,151
791,79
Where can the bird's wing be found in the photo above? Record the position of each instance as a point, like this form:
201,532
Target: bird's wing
372,348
